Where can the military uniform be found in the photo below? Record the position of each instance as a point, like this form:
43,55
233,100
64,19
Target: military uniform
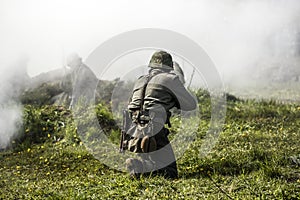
163,92
81,79
84,83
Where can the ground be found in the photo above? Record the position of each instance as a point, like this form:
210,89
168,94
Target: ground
257,157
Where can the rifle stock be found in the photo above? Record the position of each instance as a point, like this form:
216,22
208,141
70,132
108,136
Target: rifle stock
121,150
125,126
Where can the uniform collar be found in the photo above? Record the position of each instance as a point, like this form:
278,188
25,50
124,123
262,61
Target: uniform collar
154,71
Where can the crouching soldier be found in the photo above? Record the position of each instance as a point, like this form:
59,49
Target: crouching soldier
152,98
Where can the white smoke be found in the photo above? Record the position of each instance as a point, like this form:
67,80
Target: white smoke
13,79
10,122
242,37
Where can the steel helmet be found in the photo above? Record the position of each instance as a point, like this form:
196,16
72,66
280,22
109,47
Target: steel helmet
161,59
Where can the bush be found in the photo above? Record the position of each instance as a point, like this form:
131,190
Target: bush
43,123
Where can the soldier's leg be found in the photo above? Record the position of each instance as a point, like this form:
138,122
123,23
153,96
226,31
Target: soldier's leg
165,159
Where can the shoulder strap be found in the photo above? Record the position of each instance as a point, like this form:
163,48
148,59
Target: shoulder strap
143,93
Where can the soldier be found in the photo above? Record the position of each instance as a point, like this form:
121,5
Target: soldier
155,94
81,79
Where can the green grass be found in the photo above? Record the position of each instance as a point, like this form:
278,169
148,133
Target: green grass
252,160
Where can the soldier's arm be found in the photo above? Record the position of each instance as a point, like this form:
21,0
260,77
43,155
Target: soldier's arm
185,100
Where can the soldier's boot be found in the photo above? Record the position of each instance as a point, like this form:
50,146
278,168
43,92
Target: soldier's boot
135,167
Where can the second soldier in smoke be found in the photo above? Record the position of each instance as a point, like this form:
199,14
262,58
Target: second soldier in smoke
80,81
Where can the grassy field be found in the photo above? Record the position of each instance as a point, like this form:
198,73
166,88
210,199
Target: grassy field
257,157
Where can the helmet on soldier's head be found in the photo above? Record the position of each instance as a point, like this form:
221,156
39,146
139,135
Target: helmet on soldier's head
179,72
74,60
161,59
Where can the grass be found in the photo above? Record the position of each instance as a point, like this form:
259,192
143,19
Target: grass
252,160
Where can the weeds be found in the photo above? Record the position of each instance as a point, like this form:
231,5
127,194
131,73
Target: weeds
255,158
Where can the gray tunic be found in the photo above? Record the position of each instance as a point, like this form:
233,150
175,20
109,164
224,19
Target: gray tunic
163,92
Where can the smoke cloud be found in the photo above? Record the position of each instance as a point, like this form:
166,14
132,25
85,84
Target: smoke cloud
250,41
10,122
244,38
238,35
13,80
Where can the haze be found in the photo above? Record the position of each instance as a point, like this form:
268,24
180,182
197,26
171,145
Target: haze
234,33
242,37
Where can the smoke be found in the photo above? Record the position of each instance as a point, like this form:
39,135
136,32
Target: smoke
248,39
10,122
13,80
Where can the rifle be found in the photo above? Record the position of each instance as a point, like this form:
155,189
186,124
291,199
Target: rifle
125,126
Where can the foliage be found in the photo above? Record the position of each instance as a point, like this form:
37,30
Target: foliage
41,95
105,117
41,124
255,158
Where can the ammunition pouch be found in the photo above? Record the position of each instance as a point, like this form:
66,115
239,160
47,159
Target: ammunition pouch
140,137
